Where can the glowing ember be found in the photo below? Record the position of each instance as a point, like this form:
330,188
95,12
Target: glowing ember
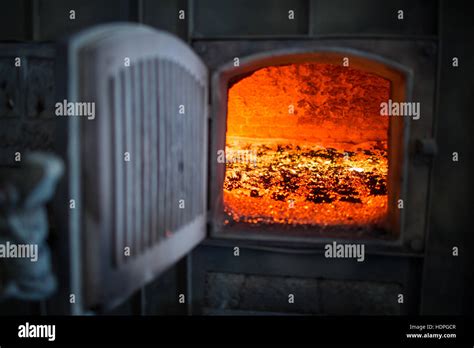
307,185
306,146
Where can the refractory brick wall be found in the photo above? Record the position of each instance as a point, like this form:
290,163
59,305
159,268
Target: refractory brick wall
309,102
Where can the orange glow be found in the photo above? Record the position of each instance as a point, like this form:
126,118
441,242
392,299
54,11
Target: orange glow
306,145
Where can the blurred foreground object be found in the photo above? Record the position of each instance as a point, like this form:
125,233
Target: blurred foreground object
25,263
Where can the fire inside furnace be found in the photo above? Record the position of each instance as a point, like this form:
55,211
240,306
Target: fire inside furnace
306,145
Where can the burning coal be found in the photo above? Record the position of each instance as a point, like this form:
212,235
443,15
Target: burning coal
298,184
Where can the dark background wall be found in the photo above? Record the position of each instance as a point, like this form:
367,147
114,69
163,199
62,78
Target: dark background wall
31,27
48,20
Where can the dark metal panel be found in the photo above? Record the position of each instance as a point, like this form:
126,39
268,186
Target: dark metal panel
377,269
448,280
21,89
54,19
164,14
241,293
217,19
15,19
40,88
10,92
373,17
162,293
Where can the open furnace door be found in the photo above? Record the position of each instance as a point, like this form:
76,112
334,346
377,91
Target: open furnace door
137,169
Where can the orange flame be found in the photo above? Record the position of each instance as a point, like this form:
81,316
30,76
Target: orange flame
306,145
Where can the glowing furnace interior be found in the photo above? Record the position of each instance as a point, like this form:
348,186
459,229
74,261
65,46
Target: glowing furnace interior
306,145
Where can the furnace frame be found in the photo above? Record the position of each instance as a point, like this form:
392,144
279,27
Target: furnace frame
401,78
